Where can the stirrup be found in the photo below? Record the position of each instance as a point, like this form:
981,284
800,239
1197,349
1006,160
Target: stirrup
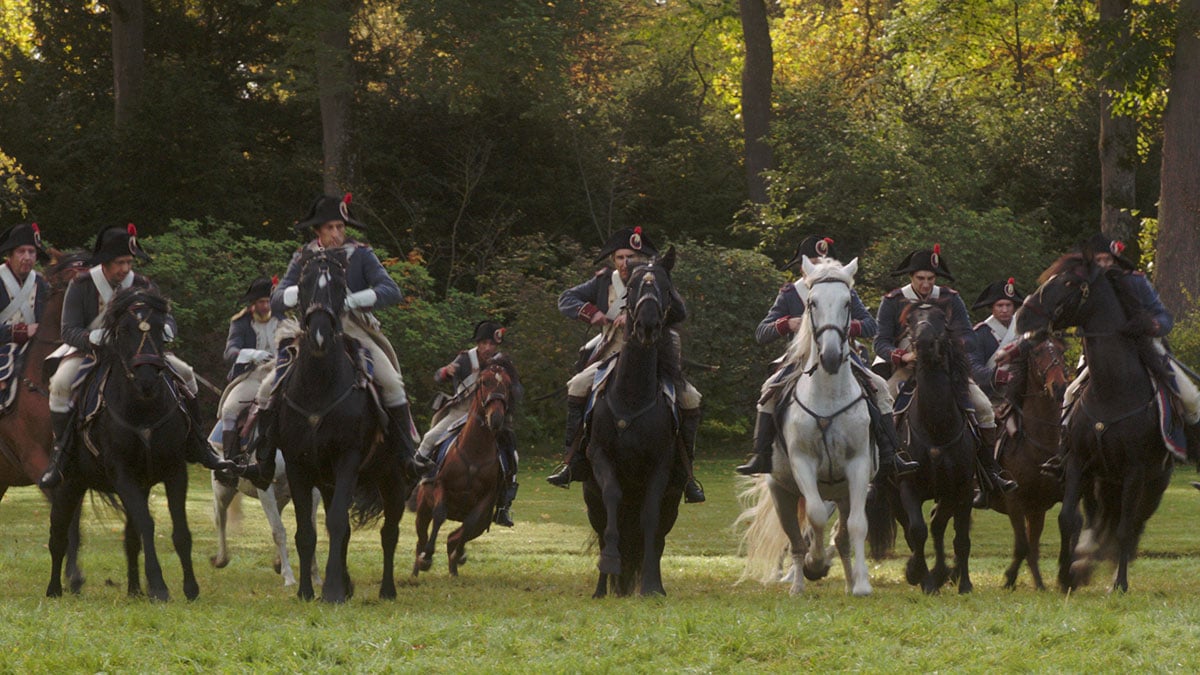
902,466
1053,467
561,476
693,492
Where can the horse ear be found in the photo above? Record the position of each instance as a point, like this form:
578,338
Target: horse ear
667,260
851,268
806,267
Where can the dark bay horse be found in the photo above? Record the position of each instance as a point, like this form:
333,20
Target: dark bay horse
633,493
938,435
328,426
137,438
470,479
1035,404
1116,461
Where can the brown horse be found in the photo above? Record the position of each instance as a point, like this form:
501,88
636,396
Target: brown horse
1033,436
470,478
26,437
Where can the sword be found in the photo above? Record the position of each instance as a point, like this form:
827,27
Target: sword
208,385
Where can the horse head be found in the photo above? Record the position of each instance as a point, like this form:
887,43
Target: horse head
322,296
649,298
828,308
1062,298
494,391
927,324
135,328
1049,368
66,266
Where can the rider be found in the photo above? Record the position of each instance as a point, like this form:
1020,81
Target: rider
892,344
462,372
369,288
87,296
1153,321
784,319
993,333
600,301
24,291
251,342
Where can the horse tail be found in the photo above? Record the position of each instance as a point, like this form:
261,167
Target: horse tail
881,521
762,539
368,503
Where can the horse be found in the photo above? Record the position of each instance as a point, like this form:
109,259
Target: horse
1033,437
328,425
470,478
1116,459
826,441
136,437
938,435
633,493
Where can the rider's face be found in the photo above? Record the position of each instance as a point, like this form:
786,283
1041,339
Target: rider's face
624,259
21,259
261,308
116,269
486,349
922,282
1103,260
1003,311
331,234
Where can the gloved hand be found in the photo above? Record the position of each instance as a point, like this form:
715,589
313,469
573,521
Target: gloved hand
1009,352
97,336
361,299
898,357
855,328
1138,325
291,296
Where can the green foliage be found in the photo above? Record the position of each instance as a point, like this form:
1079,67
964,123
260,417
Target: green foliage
16,188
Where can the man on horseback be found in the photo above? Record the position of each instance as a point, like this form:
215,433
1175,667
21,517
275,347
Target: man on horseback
600,301
463,372
993,333
784,319
87,296
369,288
1153,321
251,343
892,345
24,292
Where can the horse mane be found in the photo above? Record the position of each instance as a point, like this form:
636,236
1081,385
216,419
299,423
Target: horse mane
670,363
958,366
505,362
1064,263
126,298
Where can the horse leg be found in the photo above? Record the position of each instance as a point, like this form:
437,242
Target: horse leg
1017,520
1035,522
422,558
438,517
816,563
337,521
915,534
1069,524
181,535
962,545
140,523
222,498
271,509
610,490
306,531
64,510
1128,525
789,509
74,572
133,550
855,526
601,587
389,534
939,519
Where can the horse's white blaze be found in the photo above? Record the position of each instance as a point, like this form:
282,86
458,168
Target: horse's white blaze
324,279
319,338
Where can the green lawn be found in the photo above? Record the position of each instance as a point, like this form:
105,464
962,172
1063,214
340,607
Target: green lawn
523,603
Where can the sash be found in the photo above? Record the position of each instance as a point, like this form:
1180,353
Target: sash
469,380
106,291
1004,335
912,296
21,296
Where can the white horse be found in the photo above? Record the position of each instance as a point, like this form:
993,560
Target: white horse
824,451
273,500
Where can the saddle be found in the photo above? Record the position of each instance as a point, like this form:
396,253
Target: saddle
88,398
443,443
360,356
1169,415
600,383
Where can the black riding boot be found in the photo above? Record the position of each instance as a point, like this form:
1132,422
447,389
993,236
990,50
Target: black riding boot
262,472
689,424
401,443
58,456
764,446
503,505
574,465
890,461
197,449
992,478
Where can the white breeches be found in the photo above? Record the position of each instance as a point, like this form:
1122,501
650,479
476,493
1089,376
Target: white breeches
68,368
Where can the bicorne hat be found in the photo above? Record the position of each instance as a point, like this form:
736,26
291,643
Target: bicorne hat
1100,243
489,330
925,261
997,291
813,247
631,238
259,288
326,208
114,242
23,234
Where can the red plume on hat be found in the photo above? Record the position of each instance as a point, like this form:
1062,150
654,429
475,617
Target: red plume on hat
274,280
1117,247
347,198
131,229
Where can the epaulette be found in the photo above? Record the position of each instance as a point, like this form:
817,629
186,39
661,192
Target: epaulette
789,286
947,289
239,315
979,325
601,272
894,293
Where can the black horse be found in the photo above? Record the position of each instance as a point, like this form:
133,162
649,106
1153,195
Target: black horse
137,438
1116,460
633,493
938,435
328,426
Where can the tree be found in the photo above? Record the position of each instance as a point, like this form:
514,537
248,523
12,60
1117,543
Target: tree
128,57
1118,131
1176,273
335,86
757,73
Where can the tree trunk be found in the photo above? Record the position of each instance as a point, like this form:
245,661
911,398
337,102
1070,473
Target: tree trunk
757,74
1177,275
335,87
129,57
1118,138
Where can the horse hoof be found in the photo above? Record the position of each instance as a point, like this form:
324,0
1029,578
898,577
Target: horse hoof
815,574
610,564
191,592
54,591
76,585
387,593
219,562
278,567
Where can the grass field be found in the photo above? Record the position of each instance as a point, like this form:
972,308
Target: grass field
523,603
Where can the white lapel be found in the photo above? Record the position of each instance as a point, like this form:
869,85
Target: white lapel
22,297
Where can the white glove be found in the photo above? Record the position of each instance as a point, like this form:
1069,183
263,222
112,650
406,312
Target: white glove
291,296
97,336
262,356
250,354
168,333
361,299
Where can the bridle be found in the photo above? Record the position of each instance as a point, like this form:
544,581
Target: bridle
322,299
646,277
149,351
843,330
